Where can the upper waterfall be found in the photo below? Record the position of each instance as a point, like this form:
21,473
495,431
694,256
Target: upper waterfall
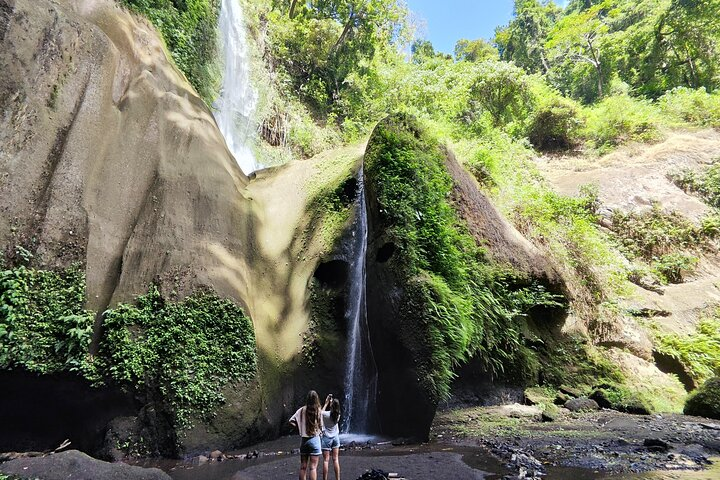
235,108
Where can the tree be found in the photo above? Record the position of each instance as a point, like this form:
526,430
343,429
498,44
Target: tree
501,89
580,38
689,37
475,51
523,39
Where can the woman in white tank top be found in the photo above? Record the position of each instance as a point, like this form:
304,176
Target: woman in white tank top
331,436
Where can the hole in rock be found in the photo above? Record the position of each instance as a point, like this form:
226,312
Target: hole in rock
332,274
348,190
385,252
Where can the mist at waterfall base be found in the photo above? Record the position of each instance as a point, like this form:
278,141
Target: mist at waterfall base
360,385
235,108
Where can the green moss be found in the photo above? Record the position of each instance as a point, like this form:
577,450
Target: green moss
457,303
189,28
323,334
705,401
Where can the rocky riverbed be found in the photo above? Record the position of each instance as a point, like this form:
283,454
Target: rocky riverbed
605,441
501,442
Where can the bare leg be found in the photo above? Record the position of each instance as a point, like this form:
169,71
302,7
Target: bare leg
336,462
303,466
314,460
326,463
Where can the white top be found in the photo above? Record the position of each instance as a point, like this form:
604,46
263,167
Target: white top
299,419
330,428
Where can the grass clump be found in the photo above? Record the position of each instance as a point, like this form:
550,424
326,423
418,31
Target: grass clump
621,119
705,184
655,232
694,106
456,300
189,28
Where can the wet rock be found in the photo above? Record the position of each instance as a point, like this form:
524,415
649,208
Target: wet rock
77,465
656,445
583,404
548,416
601,398
536,396
199,460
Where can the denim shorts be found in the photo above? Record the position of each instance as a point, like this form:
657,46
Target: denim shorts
328,443
310,446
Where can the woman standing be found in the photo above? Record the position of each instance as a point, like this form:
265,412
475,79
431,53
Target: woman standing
331,436
308,421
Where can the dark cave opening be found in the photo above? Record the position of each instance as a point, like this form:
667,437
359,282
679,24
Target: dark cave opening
332,274
385,252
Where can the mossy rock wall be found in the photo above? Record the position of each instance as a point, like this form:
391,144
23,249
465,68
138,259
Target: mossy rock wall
447,277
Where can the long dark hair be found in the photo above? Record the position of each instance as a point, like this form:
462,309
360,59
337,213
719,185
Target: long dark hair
335,410
312,413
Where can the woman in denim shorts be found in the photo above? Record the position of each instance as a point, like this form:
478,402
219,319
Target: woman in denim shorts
331,436
308,421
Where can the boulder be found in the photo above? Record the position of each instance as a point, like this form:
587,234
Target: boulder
582,404
705,401
78,466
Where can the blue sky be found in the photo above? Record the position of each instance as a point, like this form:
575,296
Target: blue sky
447,21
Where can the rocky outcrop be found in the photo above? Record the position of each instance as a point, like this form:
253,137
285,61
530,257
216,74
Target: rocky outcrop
77,465
705,401
108,156
398,329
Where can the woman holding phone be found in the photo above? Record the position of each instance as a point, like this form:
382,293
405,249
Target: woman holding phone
331,436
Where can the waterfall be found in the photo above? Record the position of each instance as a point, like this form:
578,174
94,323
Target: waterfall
361,372
235,107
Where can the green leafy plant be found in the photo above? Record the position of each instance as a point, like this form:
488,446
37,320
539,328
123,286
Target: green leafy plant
699,352
458,304
44,327
179,354
674,267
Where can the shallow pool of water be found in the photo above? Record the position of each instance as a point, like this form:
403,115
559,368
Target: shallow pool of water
416,462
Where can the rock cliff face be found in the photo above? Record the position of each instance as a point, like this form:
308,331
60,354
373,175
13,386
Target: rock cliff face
108,156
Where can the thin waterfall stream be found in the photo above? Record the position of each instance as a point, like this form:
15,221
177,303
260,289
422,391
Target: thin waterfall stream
236,105
361,372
